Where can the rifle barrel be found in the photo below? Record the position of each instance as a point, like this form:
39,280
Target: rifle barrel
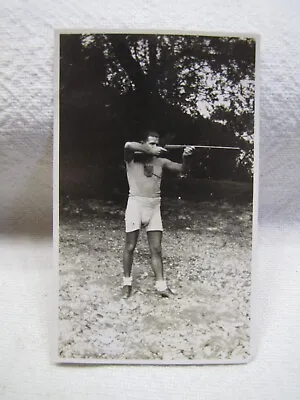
181,146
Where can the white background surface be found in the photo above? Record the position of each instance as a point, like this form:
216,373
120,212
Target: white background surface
26,101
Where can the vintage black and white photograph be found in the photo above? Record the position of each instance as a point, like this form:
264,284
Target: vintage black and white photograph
155,190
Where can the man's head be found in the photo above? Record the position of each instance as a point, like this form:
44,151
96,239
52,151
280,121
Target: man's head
148,135
151,138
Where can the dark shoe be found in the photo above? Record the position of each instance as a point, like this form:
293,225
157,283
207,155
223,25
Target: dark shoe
166,293
126,291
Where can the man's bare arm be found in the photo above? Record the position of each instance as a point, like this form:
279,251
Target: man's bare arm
128,153
131,147
177,167
171,165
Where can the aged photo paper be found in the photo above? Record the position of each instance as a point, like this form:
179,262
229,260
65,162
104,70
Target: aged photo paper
155,175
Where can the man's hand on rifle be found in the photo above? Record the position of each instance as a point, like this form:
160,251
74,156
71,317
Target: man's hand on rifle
188,151
157,150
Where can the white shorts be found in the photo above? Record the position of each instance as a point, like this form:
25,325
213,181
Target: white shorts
143,212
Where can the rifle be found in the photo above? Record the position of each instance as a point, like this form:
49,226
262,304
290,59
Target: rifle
141,155
182,146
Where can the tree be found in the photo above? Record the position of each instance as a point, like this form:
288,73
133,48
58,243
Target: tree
194,89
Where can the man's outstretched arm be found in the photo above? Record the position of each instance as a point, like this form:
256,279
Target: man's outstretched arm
184,166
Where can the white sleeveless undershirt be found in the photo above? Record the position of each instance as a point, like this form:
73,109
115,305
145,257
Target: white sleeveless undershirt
141,185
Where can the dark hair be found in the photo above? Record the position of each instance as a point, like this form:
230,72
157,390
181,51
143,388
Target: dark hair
149,132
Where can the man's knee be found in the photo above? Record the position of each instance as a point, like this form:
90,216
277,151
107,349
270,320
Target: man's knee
130,246
156,250
131,241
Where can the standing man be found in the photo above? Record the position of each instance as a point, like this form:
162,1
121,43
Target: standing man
144,172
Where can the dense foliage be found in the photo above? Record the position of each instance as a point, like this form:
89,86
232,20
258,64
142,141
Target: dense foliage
192,89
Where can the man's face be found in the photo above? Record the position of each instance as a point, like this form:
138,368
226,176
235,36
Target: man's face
153,141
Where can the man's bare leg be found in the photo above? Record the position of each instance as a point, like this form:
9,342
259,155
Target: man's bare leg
154,240
130,244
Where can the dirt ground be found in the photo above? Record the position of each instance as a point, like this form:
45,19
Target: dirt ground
207,255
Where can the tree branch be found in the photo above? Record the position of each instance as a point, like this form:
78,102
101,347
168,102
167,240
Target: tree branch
128,63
